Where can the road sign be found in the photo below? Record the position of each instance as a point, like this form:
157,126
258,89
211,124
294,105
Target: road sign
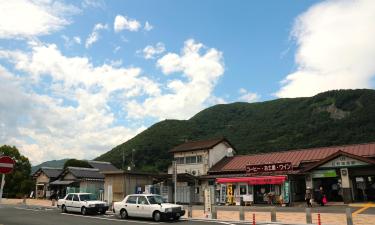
6,164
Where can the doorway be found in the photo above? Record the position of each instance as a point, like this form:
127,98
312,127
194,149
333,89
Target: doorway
331,187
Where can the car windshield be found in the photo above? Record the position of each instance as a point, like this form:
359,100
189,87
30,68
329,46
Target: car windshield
87,197
155,199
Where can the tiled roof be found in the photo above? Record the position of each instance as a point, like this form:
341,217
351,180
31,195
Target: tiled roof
198,145
49,172
102,166
296,157
89,173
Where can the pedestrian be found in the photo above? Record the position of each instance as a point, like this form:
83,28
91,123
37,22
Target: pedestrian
322,197
308,197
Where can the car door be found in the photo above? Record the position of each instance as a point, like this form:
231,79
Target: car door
69,202
143,207
131,205
76,205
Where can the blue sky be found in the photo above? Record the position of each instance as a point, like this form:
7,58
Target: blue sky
79,78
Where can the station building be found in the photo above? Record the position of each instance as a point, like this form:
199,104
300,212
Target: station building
346,173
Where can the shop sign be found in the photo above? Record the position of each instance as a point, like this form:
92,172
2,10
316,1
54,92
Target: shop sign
207,202
324,173
273,167
343,161
286,191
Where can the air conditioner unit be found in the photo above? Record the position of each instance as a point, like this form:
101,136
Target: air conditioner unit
229,152
194,172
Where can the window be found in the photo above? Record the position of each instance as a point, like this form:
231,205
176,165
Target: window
191,159
243,189
155,199
199,159
75,198
132,200
69,197
180,160
142,200
88,197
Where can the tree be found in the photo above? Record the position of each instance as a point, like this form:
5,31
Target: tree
77,163
19,182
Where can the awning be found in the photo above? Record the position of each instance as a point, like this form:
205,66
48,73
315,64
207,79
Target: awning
253,180
62,182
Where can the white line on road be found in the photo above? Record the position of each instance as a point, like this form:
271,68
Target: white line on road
35,210
102,218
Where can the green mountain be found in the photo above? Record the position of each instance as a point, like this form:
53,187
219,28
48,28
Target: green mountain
330,118
52,163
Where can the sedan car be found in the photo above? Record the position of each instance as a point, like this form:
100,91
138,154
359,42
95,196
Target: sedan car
147,206
83,203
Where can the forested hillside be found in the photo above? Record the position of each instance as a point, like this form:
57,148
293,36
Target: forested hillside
330,118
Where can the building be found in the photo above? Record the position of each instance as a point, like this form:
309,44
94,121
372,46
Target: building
120,183
43,176
79,179
346,173
193,160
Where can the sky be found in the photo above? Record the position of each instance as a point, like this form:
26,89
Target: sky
78,78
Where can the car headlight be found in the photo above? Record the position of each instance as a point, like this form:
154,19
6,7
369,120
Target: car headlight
168,210
91,205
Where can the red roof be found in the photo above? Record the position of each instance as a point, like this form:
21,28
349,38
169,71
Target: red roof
296,157
198,145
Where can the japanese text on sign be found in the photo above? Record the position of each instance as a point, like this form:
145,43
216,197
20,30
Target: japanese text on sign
269,167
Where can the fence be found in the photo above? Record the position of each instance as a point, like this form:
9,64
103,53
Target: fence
249,215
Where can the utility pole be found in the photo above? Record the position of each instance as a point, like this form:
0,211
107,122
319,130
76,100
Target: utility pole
175,180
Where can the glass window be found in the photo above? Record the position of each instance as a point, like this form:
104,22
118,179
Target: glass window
132,200
250,190
87,197
75,198
180,160
69,197
155,199
142,200
199,159
243,190
191,159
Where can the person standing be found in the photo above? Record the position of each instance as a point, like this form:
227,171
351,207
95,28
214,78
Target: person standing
322,197
308,197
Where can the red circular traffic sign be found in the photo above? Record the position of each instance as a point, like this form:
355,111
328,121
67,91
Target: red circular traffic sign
6,164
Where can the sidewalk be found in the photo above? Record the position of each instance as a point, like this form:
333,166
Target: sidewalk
29,201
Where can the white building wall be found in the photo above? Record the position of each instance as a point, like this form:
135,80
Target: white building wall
217,153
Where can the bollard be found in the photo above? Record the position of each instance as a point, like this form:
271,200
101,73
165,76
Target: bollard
273,214
190,211
242,214
349,218
319,221
308,216
213,212
253,218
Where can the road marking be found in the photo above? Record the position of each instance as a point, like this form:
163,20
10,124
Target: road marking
103,218
366,206
35,210
209,221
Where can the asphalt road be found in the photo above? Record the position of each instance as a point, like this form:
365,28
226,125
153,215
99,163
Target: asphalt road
17,215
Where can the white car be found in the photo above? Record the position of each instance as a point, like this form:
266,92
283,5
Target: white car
83,203
147,206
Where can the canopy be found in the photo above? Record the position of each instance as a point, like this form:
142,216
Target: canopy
62,182
253,180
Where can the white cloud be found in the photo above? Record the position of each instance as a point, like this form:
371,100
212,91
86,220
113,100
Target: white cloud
94,36
77,40
148,26
93,4
25,19
69,42
186,96
149,52
247,96
73,117
124,23
336,48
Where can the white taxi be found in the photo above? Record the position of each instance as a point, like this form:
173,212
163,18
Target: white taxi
83,203
147,206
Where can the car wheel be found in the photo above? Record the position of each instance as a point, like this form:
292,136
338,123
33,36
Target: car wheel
156,216
123,214
102,211
177,218
84,211
63,209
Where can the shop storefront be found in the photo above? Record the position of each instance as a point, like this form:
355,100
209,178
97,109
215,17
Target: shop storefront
240,190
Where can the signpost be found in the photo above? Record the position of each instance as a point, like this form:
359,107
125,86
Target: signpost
6,166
